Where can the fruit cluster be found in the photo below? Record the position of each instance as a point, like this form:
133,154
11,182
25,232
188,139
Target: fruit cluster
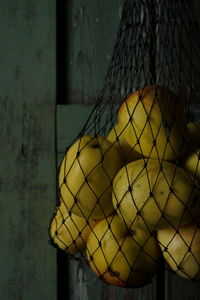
132,199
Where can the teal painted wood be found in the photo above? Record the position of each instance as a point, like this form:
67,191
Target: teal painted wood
180,288
82,283
70,120
27,152
92,28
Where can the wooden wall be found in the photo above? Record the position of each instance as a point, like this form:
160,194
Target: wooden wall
92,28
34,134
27,151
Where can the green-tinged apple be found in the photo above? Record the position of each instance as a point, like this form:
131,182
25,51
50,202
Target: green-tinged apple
127,152
181,249
154,118
151,195
86,174
68,231
191,163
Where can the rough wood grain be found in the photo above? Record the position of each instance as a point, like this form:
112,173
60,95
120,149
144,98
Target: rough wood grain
27,152
179,288
91,33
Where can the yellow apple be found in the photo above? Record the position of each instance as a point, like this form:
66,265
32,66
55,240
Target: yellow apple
127,152
191,163
181,249
122,257
153,117
150,195
86,174
68,231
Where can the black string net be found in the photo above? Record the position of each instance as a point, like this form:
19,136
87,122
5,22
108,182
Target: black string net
128,183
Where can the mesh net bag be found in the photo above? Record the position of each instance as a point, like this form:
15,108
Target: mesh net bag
128,184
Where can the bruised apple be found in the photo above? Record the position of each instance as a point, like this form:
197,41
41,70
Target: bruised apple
153,117
68,231
151,195
86,174
122,257
127,152
181,249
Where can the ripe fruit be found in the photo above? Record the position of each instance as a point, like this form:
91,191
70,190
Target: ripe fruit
127,152
147,194
181,249
120,256
153,118
86,174
68,231
191,163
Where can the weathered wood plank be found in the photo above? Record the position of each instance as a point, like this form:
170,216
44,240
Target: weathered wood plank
91,33
180,288
27,163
